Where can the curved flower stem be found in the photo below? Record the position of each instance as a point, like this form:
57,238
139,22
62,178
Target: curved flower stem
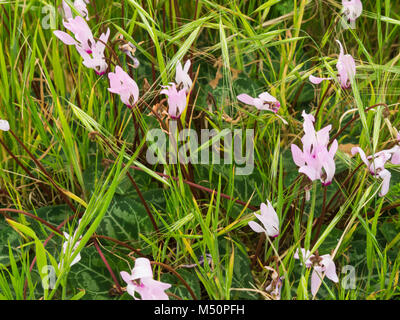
133,183
172,270
165,266
45,243
16,160
258,249
320,218
30,215
96,244
222,195
121,243
355,117
322,100
328,207
37,162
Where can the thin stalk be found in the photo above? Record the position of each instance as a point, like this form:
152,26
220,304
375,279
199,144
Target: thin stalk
96,244
245,204
37,162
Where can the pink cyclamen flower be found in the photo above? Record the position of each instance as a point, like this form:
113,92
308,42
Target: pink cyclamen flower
182,77
176,100
377,166
322,266
82,33
274,288
121,83
269,220
4,125
315,161
141,281
352,9
346,68
264,101
80,6
96,60
91,51
68,243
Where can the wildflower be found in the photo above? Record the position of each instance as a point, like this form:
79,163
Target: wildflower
315,161
264,101
269,220
182,77
377,166
274,288
121,83
346,70
322,266
96,61
352,9
141,281
4,125
176,100
82,33
201,261
129,49
68,243
91,51
80,6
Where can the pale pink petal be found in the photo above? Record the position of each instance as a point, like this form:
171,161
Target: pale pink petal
126,277
266,97
142,269
310,172
297,155
187,66
329,268
317,80
4,125
65,37
396,155
316,280
245,98
333,149
385,175
256,227
355,150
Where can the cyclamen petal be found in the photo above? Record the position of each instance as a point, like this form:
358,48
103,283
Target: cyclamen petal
352,9
256,227
377,166
141,281
316,279
329,267
315,160
356,150
317,80
395,155
265,101
246,99
177,100
4,125
269,220
305,257
65,37
385,175
182,76
142,269
346,67
123,85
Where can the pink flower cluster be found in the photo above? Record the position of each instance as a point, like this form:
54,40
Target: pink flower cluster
141,281
315,160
